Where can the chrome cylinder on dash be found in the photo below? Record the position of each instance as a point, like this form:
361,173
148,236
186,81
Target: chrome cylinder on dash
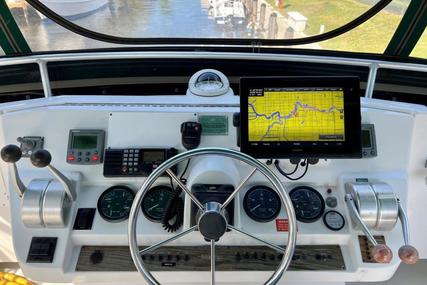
32,203
56,206
388,205
376,203
366,202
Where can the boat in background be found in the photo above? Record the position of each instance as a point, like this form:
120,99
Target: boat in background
228,12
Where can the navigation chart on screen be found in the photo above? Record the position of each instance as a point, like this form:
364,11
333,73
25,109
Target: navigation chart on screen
281,115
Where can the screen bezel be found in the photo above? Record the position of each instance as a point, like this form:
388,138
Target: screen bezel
350,148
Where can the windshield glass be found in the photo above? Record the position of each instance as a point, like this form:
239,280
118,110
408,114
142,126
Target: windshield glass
420,49
223,19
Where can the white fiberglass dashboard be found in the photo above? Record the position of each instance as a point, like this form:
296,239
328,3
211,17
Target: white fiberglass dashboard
123,137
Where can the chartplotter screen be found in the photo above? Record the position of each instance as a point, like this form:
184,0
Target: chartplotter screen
300,117
296,114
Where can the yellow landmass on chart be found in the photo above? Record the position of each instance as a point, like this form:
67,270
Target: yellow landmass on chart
297,116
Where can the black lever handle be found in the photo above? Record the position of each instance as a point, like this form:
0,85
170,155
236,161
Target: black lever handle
41,158
11,153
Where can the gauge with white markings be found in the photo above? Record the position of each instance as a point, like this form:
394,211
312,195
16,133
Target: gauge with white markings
333,220
262,204
155,202
308,204
114,203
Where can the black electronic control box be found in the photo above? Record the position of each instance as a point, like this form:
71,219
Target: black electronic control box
135,161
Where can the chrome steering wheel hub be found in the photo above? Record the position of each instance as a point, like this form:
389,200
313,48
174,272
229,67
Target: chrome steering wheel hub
212,222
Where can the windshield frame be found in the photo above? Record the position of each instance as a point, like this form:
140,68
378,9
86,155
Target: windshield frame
16,44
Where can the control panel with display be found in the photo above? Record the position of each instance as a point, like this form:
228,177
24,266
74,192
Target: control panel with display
85,146
135,161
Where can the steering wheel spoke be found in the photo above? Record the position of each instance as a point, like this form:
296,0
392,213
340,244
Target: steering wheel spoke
185,188
266,243
238,188
159,244
213,259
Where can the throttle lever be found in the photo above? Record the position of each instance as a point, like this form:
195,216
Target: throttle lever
381,253
42,158
12,154
407,253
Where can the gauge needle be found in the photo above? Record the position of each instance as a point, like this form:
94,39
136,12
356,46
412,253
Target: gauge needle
155,206
256,207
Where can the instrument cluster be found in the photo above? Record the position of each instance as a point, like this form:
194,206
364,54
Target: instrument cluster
115,203
260,203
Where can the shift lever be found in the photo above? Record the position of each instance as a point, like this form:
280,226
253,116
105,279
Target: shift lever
11,154
407,253
381,253
42,158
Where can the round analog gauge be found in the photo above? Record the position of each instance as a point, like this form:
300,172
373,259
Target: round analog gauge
114,203
333,220
155,202
308,204
262,204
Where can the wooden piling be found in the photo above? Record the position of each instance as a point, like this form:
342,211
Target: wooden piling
254,10
262,15
272,26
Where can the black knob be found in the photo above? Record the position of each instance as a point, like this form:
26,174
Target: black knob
41,158
236,120
96,257
11,153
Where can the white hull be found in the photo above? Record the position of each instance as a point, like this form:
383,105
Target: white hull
228,11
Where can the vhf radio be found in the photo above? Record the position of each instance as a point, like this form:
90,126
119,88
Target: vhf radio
135,161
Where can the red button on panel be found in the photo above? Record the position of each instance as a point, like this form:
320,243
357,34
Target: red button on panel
95,157
71,157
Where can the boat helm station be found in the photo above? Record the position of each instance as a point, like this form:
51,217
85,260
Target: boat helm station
212,142
210,191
